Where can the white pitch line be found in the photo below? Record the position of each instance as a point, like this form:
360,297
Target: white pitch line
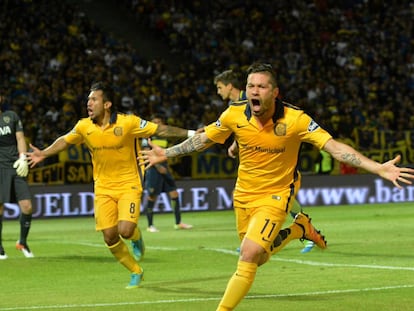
298,261
325,264
85,244
316,263
171,301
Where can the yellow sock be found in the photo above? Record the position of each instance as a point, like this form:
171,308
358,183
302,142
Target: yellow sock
285,236
121,252
238,286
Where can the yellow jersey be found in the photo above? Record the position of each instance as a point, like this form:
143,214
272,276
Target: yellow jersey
268,156
113,150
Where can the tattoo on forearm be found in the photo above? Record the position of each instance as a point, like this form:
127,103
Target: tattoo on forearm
351,159
188,146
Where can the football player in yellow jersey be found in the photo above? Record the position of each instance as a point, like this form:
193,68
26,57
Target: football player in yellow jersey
229,88
269,133
111,138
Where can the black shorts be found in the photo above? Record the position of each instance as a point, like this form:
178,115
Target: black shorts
13,188
156,183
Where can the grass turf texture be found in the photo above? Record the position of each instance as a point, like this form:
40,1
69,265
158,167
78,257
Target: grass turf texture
369,265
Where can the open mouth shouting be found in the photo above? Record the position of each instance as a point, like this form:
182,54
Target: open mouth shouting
90,112
255,106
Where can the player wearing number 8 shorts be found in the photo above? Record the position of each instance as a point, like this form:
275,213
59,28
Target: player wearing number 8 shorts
113,142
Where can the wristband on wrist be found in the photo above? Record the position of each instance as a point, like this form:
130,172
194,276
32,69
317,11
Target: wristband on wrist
190,133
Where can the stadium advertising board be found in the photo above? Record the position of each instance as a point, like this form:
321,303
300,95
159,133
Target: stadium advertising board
215,195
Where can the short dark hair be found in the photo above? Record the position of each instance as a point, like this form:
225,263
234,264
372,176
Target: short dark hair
108,93
229,76
263,67
158,115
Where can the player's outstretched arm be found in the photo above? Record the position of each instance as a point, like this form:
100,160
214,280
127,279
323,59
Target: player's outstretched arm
36,156
157,154
173,131
388,170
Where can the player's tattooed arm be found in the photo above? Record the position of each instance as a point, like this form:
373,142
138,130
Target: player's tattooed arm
198,142
151,157
388,170
351,159
347,154
344,153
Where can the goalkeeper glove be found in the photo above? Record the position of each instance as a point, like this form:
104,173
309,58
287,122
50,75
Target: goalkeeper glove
21,166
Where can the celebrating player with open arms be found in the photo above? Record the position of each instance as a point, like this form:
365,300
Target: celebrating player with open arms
112,140
269,134
229,87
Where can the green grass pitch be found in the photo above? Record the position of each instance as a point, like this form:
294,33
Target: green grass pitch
369,265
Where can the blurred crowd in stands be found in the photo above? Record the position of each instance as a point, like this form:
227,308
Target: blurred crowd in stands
349,64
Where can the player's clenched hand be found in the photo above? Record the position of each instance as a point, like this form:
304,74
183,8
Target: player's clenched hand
153,156
21,166
35,156
396,174
233,150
